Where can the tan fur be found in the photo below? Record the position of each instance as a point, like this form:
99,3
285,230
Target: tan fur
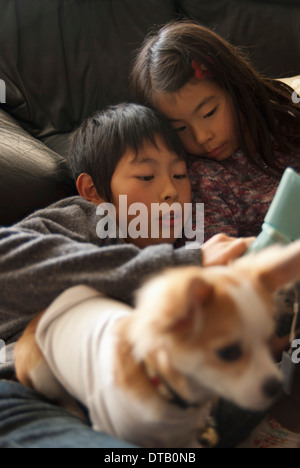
220,320
27,353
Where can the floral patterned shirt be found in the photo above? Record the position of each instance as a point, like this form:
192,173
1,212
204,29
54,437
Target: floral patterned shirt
235,194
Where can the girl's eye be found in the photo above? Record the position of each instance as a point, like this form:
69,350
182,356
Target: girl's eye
145,178
210,114
180,129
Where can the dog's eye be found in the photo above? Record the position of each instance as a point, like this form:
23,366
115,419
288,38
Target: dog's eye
230,353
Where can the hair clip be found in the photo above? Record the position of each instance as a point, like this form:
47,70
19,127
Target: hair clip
201,71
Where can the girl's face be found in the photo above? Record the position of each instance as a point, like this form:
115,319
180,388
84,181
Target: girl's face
203,116
154,176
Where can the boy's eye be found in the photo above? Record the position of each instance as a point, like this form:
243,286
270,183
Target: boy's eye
145,178
210,114
180,176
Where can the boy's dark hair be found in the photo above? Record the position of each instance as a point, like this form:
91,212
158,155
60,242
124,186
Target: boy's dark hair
164,65
102,140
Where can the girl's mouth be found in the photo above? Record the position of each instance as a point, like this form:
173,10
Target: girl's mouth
215,153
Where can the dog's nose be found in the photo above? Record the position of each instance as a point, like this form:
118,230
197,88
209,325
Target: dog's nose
272,387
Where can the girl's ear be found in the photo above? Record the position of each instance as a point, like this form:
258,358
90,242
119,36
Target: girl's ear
86,188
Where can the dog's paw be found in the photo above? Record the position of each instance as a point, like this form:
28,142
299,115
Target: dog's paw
208,437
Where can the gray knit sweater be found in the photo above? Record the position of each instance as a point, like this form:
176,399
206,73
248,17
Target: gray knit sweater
57,248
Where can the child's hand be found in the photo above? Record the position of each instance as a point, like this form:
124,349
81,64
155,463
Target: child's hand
221,249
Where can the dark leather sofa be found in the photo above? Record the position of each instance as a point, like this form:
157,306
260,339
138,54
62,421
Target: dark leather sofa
61,60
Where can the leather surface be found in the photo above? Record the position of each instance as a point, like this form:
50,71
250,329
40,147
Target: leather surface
31,175
62,60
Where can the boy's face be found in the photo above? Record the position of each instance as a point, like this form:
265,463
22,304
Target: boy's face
202,114
153,177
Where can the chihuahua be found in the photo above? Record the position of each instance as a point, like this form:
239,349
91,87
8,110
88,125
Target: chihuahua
196,334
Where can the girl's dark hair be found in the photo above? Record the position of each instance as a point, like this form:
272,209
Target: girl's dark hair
103,139
164,65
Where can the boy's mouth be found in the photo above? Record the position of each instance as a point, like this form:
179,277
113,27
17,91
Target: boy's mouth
171,219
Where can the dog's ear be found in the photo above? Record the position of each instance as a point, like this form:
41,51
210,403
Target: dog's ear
277,266
187,312
169,304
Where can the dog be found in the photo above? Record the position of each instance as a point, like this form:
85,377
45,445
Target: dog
195,335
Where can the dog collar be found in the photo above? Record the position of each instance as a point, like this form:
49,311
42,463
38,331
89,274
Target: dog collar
207,436
166,390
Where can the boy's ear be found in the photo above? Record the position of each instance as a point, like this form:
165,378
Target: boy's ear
86,188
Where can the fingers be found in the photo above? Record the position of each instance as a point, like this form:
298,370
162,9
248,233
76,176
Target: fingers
239,246
248,241
222,249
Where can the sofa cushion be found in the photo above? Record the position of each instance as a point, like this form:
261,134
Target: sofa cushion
26,183
63,60
269,29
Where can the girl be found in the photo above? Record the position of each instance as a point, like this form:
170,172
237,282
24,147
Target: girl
241,130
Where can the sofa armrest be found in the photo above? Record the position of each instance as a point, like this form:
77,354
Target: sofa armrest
293,82
32,176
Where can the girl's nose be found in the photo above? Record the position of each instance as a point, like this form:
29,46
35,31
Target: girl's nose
203,136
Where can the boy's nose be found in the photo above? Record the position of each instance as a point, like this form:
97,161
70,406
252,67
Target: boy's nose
169,191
